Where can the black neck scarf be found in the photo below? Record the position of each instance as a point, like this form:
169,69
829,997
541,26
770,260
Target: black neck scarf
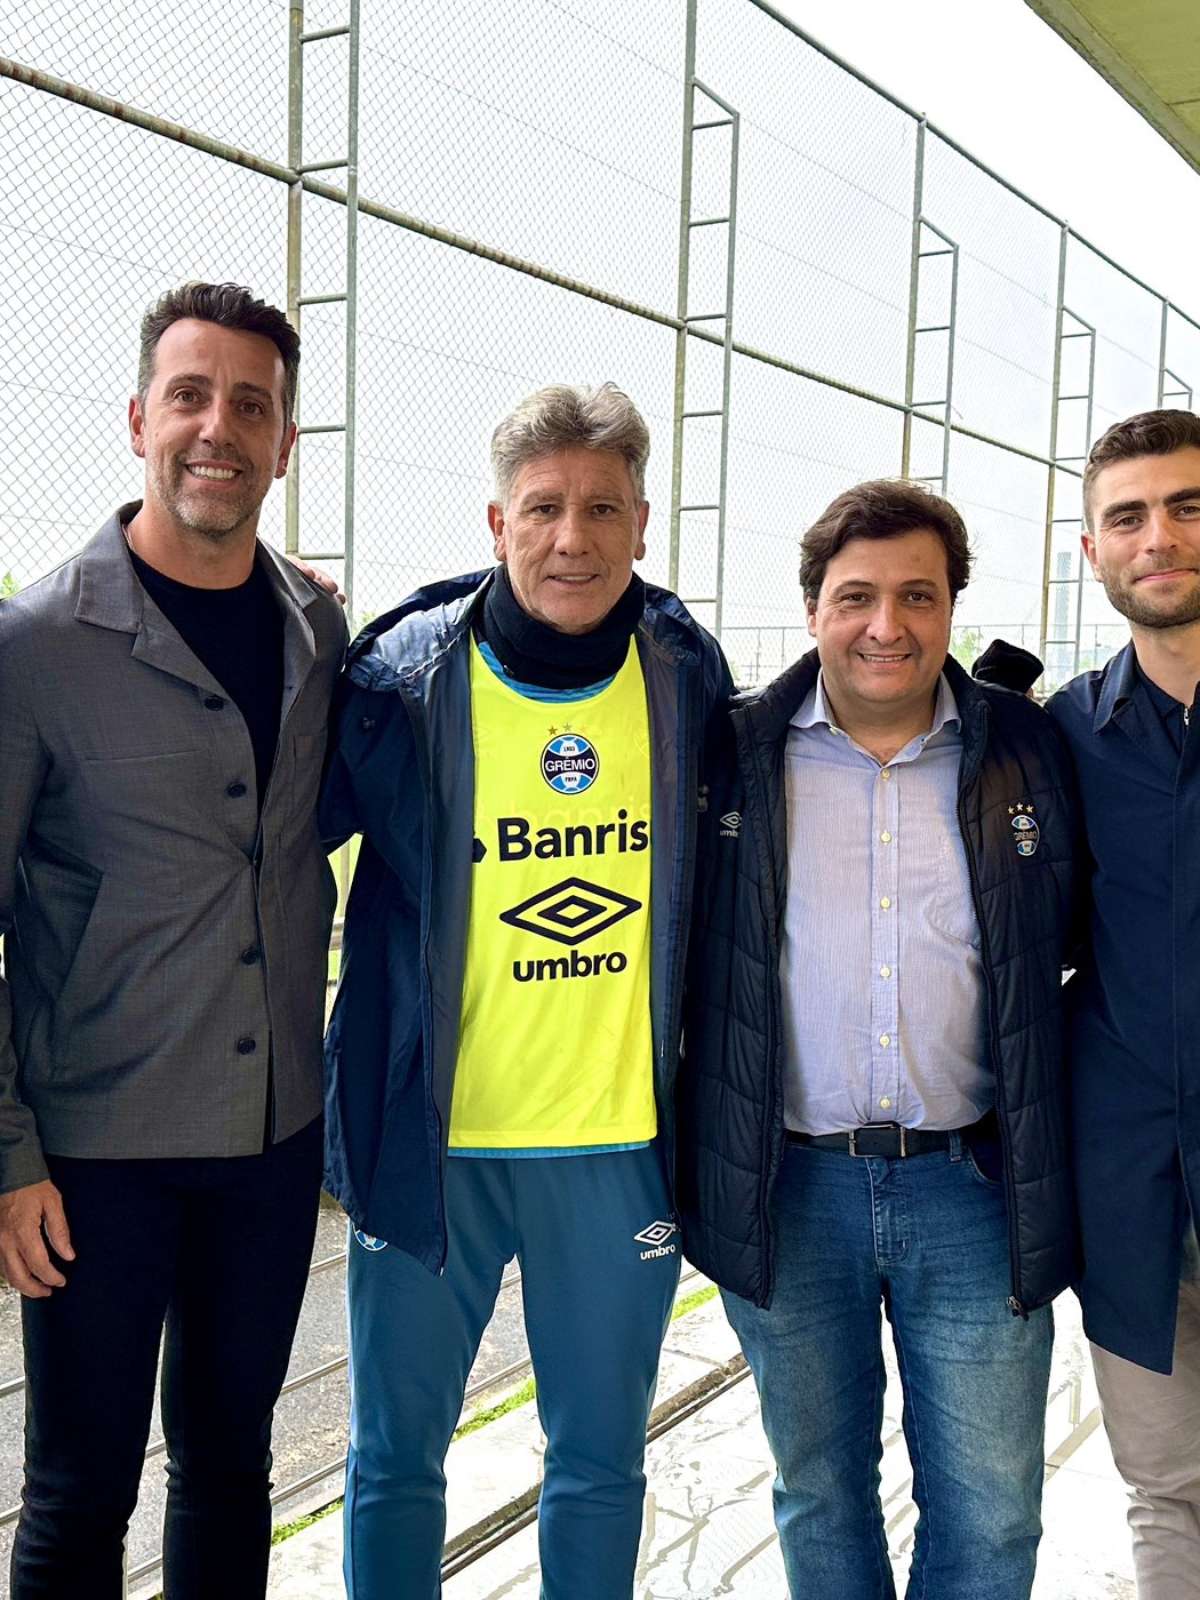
533,652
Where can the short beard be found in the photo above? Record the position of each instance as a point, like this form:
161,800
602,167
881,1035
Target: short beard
215,533
1123,599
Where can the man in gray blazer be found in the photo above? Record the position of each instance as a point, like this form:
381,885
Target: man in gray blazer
165,905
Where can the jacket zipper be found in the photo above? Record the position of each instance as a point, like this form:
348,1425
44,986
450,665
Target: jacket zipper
411,706
746,740
690,778
1015,1303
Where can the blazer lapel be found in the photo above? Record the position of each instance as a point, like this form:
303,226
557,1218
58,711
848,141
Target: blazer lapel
294,594
110,596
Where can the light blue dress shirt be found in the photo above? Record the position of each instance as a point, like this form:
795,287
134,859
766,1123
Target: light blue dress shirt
883,987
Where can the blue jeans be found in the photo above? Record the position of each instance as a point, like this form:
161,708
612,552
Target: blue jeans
597,1299
926,1238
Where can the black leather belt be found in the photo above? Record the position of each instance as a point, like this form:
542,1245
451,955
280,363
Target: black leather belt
890,1140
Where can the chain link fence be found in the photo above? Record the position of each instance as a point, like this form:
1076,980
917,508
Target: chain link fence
459,211
801,282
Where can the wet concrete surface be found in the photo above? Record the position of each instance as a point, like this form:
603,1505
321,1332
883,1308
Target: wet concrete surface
708,1528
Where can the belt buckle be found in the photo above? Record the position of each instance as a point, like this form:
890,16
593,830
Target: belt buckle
870,1126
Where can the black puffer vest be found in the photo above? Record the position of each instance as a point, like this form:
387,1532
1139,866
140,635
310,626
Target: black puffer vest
729,1089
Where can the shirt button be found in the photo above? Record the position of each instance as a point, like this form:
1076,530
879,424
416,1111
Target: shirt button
251,956
886,1102
213,702
246,1046
885,1039
885,972
885,902
886,775
235,791
886,837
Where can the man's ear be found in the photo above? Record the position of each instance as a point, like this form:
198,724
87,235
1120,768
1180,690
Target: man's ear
137,427
1089,550
639,549
495,515
810,616
285,450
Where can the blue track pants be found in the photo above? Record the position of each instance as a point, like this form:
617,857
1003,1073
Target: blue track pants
597,1298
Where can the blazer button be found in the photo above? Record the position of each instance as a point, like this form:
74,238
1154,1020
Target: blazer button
235,791
252,956
213,702
246,1046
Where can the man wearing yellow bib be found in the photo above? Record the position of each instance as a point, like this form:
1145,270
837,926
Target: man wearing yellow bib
523,751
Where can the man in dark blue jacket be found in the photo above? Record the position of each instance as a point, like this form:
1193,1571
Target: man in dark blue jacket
1136,1001
872,1096
522,752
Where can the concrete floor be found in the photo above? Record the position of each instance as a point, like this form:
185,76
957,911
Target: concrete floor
708,1529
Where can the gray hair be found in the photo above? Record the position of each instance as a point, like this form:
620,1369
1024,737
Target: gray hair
562,415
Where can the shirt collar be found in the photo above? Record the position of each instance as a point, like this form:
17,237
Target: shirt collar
815,711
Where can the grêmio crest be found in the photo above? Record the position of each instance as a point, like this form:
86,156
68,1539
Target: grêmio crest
1026,833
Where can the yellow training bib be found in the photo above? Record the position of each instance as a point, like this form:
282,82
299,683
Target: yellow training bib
555,1046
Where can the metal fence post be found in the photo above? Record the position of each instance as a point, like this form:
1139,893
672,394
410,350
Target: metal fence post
351,306
1051,470
914,284
726,368
1162,350
295,208
1184,390
681,295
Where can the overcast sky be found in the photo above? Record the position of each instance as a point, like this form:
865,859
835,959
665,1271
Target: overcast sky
1037,113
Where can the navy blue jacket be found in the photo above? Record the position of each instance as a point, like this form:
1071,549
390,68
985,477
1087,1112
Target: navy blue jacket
402,775
1135,1010
731,1134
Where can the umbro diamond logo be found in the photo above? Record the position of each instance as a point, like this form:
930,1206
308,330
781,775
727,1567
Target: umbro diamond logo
571,911
656,1236
731,824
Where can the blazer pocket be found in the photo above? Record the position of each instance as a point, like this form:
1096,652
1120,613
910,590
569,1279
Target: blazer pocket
146,814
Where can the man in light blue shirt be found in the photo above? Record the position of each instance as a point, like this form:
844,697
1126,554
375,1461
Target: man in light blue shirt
879,914
872,1100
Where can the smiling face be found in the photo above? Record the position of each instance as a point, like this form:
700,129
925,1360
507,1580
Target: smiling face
569,534
1144,546
211,428
882,625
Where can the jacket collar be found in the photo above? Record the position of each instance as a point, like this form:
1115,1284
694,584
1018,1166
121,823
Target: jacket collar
772,709
110,596
1116,690
405,642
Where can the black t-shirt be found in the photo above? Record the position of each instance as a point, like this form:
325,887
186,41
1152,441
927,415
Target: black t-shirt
238,635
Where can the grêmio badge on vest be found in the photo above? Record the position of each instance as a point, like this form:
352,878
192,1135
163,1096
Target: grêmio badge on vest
1026,833
555,1039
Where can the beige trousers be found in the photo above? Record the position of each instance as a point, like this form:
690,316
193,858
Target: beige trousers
1153,1425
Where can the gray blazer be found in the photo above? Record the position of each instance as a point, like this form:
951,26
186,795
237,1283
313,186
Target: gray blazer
164,947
